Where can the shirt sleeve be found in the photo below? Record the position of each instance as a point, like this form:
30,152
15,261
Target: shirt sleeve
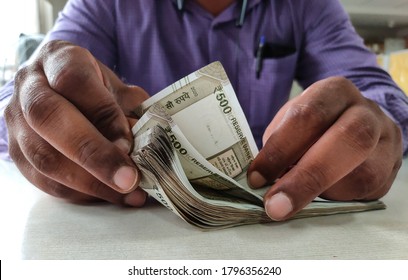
331,47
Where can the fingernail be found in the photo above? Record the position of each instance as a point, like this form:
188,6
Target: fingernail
278,206
123,144
136,198
256,180
125,178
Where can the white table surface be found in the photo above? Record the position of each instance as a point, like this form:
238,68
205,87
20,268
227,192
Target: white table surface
38,226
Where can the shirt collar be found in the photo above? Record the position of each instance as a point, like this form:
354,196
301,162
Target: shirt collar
232,13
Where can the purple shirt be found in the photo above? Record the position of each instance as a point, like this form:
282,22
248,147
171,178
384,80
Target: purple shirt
150,43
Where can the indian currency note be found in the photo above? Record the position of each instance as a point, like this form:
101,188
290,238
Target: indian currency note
205,184
196,168
164,179
205,108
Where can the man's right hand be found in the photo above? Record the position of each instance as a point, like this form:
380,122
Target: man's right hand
68,129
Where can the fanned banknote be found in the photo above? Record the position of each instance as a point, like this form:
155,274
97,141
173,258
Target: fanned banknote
193,146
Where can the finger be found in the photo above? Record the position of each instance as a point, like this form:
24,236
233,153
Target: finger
64,127
137,198
75,74
44,183
100,192
83,187
369,181
355,135
59,176
373,178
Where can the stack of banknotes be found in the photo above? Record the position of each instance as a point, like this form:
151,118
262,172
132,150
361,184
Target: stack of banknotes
193,146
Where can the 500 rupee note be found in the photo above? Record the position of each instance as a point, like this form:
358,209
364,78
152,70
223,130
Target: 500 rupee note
193,147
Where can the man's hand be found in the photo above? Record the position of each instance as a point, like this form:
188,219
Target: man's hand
329,142
68,127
